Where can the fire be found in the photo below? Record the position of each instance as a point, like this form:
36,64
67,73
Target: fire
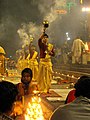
34,110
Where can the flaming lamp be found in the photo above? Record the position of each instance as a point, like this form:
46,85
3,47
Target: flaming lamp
34,109
46,25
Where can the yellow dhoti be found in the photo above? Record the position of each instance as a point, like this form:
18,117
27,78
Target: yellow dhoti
45,75
33,65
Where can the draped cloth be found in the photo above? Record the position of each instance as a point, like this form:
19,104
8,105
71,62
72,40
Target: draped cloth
33,64
79,109
45,66
44,75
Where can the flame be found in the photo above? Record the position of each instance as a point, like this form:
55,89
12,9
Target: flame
34,110
72,76
35,92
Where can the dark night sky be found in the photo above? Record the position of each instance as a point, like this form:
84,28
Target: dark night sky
15,12
12,14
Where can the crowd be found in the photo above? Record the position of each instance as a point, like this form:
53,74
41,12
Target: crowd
76,107
77,104
74,52
40,63
11,105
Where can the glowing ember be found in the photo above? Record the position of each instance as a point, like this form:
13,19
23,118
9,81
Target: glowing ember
34,110
36,92
72,76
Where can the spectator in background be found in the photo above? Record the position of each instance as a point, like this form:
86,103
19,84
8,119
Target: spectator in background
8,93
65,51
77,49
79,109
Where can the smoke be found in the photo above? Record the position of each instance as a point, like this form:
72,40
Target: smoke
20,20
47,11
29,32
2,30
50,9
